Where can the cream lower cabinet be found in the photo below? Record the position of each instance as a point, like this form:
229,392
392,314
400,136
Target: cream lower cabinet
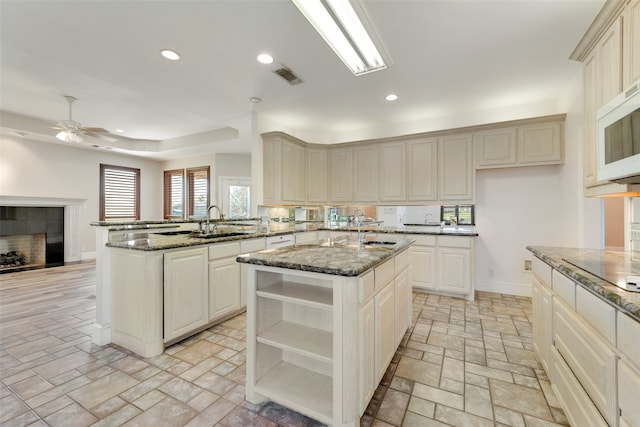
367,346
384,330
185,292
589,349
443,264
541,323
224,279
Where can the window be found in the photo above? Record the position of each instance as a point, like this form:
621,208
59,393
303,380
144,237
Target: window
119,193
198,193
186,192
460,214
173,193
236,196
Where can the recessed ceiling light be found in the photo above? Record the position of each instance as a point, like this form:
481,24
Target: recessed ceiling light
265,58
170,54
391,97
120,130
255,99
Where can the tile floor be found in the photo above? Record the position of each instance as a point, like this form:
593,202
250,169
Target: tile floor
462,364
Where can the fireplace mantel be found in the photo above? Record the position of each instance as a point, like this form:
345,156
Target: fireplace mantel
72,216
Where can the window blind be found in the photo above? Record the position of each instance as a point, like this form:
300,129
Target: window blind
174,193
198,191
119,193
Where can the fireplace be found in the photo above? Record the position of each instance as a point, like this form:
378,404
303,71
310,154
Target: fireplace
31,237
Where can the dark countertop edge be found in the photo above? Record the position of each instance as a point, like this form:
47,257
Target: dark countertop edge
328,270
144,224
599,287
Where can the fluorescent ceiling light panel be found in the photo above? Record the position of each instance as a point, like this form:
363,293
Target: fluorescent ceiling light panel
339,25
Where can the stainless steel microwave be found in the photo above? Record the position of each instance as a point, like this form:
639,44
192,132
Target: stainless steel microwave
619,138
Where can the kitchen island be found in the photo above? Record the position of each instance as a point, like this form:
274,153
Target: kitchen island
323,322
586,332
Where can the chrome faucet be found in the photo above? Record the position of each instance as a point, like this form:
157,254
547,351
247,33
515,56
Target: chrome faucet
426,218
206,229
359,220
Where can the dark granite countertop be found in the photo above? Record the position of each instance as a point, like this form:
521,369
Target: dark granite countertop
610,263
338,257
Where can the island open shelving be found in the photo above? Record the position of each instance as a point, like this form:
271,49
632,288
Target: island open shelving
304,336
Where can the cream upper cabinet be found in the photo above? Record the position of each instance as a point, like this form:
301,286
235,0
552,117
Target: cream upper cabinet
591,100
284,169
535,142
422,170
366,173
294,172
392,185
456,174
610,54
317,168
631,43
496,148
341,174
540,144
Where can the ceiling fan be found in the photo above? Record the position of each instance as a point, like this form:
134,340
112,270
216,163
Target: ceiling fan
72,131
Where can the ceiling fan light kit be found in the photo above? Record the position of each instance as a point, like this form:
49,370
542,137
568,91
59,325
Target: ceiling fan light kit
72,131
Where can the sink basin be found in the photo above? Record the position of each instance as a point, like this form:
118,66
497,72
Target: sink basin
378,243
174,233
217,235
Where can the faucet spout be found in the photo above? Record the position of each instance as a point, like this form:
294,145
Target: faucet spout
220,216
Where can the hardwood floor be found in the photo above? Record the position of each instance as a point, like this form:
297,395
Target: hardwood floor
462,364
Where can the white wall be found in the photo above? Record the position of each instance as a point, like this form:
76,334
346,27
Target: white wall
534,206
40,169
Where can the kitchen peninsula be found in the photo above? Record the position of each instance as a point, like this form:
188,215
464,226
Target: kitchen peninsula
586,331
324,321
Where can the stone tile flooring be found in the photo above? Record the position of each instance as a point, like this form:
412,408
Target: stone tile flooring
462,364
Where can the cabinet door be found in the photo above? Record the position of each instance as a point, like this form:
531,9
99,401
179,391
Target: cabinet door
540,144
185,291
422,173
401,299
341,175
384,330
454,270
591,100
456,172
631,43
392,185
423,270
541,324
272,165
294,172
224,287
628,386
496,148
317,176
610,54
366,173
366,342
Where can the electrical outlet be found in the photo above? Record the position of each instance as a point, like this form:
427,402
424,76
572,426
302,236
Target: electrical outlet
527,265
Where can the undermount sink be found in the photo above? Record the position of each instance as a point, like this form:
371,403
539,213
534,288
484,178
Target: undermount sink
378,243
174,233
217,235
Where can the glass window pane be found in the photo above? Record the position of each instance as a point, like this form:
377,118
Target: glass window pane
239,202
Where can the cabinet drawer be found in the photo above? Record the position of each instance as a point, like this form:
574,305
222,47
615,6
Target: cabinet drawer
366,287
580,409
589,357
308,237
384,273
628,386
454,241
422,240
542,270
402,260
600,315
565,288
629,338
252,245
224,250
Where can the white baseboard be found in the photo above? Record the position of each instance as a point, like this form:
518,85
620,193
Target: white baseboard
508,288
101,335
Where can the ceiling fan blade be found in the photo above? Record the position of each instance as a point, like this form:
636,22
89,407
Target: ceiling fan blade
101,136
95,130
